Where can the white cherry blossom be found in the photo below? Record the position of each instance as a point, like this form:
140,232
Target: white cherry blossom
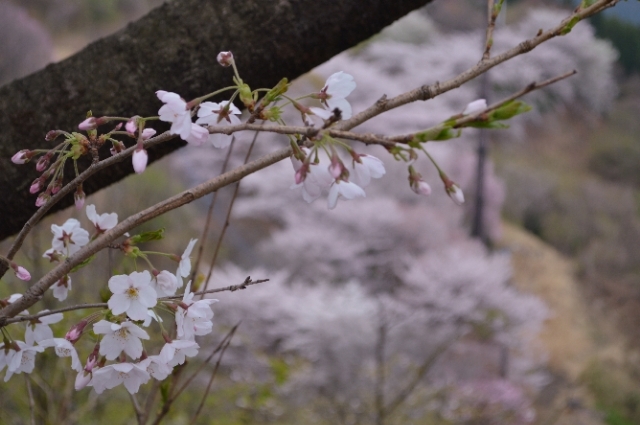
176,351
61,288
184,268
166,284
175,111
139,160
102,222
132,294
343,189
130,374
211,113
334,92
40,330
69,238
23,360
156,366
121,337
369,167
64,348
196,319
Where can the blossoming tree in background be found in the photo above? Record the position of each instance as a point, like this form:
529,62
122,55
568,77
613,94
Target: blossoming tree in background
412,294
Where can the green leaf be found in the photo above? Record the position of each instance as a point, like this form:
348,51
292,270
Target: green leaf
280,370
84,263
509,110
154,235
436,134
279,89
487,124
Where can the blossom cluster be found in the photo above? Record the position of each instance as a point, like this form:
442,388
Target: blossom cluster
117,334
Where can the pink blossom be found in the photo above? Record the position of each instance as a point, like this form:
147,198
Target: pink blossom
40,330
64,348
129,374
69,238
21,272
366,167
421,188
131,126
61,288
89,124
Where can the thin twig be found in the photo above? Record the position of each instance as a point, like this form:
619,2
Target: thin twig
167,405
212,263
137,409
212,377
493,10
232,288
32,404
205,231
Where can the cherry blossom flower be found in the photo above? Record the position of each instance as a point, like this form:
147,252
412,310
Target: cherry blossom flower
61,288
6,354
343,189
151,316
129,374
139,160
175,111
131,126
91,123
220,114
120,337
165,283
369,167
23,360
316,180
156,366
334,92
176,351
40,330
184,268
69,238
132,294
102,222
475,107
64,348
198,135
196,318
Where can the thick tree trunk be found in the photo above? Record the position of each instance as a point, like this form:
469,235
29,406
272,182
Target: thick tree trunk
173,48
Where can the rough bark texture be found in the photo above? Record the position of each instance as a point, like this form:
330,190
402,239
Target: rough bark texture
173,48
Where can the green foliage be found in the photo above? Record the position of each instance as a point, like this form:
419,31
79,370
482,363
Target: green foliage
624,36
615,393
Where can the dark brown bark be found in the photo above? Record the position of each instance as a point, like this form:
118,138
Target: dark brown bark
173,48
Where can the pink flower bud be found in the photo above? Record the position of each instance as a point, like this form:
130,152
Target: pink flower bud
22,156
79,197
475,107
225,58
82,380
455,193
52,135
421,188
148,133
88,124
21,272
55,188
42,199
131,126
75,332
42,163
140,159
36,186
117,147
